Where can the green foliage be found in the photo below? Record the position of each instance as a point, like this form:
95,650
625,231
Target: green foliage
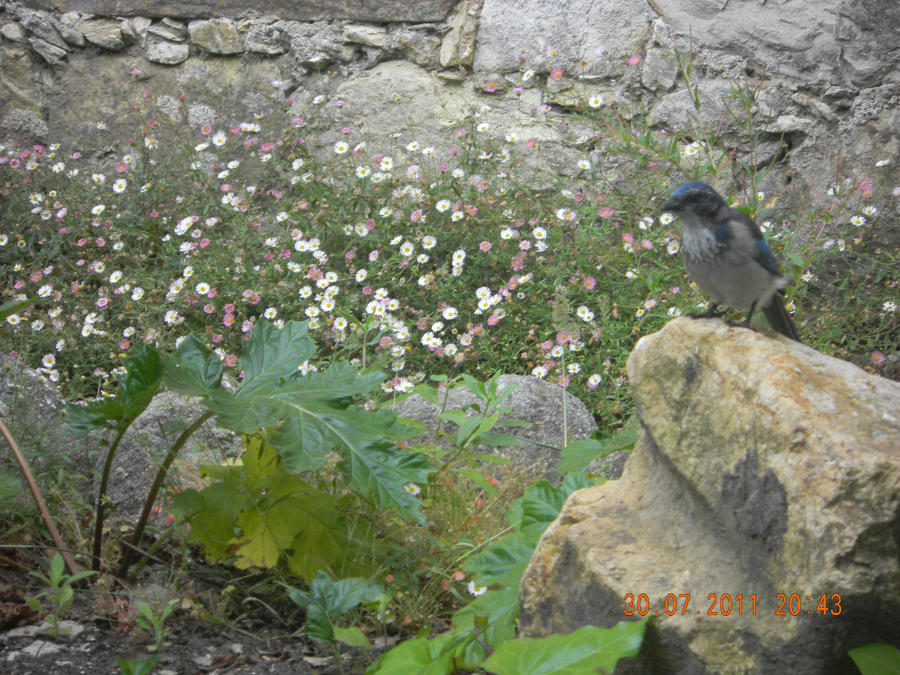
480,627
876,659
138,666
10,488
329,600
58,592
586,651
13,306
260,515
261,511
578,455
143,374
154,623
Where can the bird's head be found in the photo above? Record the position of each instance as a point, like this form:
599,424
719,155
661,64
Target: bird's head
694,201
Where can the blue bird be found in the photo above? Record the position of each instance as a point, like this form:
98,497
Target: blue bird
725,253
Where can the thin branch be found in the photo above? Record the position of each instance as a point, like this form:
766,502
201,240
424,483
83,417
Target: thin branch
74,568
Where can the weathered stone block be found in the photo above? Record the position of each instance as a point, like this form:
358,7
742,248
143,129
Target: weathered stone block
165,52
49,52
217,36
104,33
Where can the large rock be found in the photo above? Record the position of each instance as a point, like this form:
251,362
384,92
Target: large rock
594,38
147,441
765,471
534,401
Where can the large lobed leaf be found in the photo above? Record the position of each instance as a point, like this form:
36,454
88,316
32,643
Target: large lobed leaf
192,370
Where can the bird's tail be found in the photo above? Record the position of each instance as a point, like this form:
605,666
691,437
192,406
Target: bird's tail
780,320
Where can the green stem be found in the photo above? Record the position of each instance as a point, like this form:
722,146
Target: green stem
128,553
100,514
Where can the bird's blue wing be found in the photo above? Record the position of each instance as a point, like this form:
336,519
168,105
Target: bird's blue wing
765,258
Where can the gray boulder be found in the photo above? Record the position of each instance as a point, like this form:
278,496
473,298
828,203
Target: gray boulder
535,401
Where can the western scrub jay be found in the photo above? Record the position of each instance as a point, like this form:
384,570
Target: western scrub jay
725,253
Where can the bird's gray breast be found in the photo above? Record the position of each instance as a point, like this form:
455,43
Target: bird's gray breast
726,270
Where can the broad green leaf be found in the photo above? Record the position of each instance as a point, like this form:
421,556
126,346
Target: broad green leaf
494,615
263,538
456,416
352,636
542,502
586,651
421,656
192,370
273,355
501,563
327,600
136,388
876,659
213,513
476,386
576,456
491,459
380,472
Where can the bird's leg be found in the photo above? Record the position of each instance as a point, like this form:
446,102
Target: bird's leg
711,312
746,322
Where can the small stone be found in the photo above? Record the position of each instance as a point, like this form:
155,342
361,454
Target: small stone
137,26
49,52
69,26
261,39
364,34
167,32
104,33
13,32
165,52
217,36
660,70
39,25
41,648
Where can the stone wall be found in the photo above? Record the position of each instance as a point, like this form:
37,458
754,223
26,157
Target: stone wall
828,69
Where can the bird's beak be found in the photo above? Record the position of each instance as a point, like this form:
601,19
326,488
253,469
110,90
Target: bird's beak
669,205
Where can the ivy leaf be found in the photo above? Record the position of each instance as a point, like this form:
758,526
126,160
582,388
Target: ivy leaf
192,370
136,388
586,651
